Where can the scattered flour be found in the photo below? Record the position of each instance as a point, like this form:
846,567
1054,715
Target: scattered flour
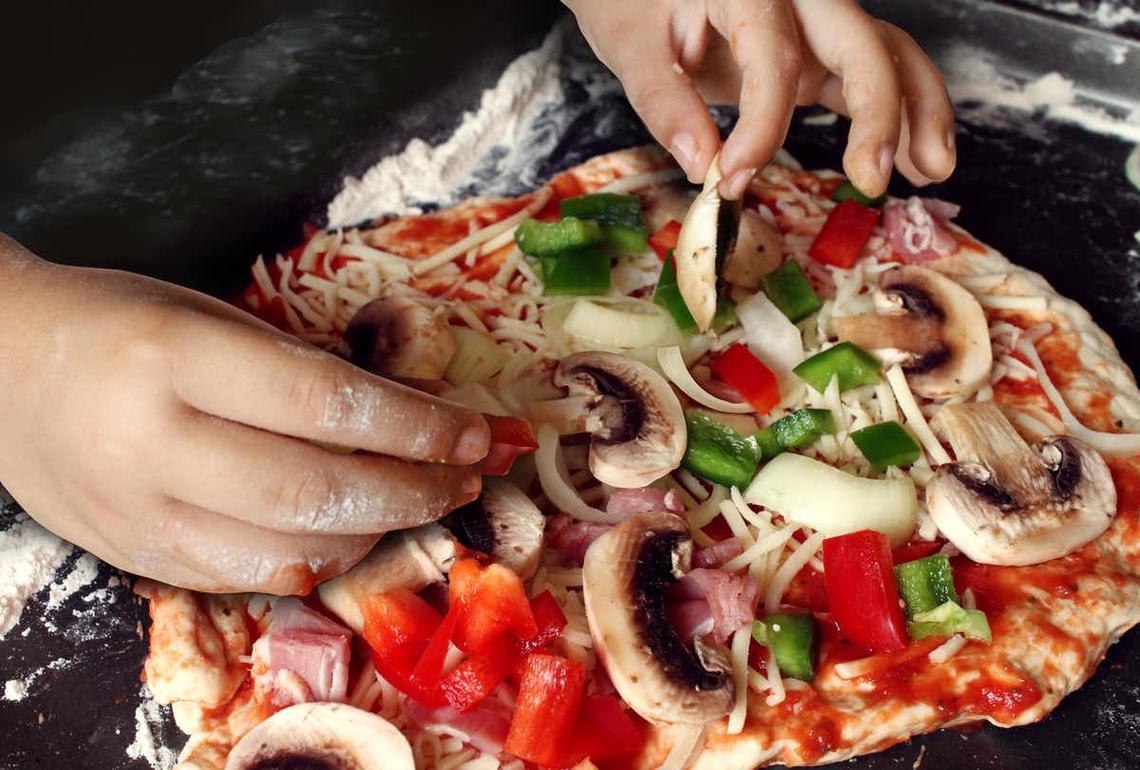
975,82
1107,15
15,690
29,559
421,174
82,574
148,744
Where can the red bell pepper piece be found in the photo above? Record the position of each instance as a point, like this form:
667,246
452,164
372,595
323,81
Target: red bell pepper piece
429,670
665,240
474,679
605,730
398,626
861,590
511,437
546,709
748,375
490,601
843,235
549,618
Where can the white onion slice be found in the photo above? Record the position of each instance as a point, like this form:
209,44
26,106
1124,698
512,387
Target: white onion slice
770,335
1106,443
673,365
834,502
596,324
554,484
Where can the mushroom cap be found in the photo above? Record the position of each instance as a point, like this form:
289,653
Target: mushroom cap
936,323
1004,502
400,337
322,736
505,523
625,576
640,434
759,249
707,235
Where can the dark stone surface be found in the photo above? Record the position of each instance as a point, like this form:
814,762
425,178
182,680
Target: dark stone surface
130,154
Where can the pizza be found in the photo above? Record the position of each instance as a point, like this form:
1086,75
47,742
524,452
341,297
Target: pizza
781,482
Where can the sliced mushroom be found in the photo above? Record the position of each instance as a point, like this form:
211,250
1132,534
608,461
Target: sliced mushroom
626,574
634,418
1004,502
400,337
759,249
322,736
411,559
504,523
708,232
936,325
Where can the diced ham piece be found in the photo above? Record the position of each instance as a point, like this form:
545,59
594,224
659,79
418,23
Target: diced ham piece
627,502
917,228
485,726
691,619
717,554
731,598
571,538
301,647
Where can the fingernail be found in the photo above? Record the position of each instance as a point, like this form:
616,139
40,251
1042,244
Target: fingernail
684,149
886,162
950,140
472,444
471,487
734,187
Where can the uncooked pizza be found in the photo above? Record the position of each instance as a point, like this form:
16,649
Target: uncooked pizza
785,481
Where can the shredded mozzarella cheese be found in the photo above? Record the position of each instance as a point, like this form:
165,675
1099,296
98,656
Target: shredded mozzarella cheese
788,570
914,417
947,649
740,642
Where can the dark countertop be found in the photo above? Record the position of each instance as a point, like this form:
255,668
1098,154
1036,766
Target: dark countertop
134,151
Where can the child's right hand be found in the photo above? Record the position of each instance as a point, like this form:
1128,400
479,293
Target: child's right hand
169,434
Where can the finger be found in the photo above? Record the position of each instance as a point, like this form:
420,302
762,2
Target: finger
847,42
288,485
666,101
205,551
277,384
929,113
766,45
903,160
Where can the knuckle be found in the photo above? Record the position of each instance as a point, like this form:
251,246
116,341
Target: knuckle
307,500
321,397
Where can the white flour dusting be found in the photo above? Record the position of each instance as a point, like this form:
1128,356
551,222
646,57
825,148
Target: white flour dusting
83,572
148,744
1106,15
981,91
403,183
29,559
15,690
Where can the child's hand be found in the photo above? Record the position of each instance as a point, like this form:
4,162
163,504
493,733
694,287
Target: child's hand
162,430
768,56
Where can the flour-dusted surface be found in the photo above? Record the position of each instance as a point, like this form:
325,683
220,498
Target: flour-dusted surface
29,558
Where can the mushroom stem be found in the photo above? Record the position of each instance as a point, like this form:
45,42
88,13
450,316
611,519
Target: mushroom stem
877,331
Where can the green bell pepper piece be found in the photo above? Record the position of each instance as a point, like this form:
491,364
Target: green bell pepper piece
770,446
803,427
544,239
849,192
925,583
584,271
850,363
627,239
791,291
948,619
668,295
792,639
604,208
718,453
886,443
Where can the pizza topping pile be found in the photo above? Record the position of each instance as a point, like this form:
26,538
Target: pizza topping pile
736,464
